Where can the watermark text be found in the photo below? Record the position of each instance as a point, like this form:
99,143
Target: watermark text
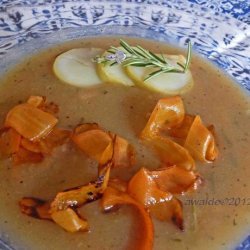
229,201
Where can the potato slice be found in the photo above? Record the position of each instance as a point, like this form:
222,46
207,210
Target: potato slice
167,83
76,67
113,74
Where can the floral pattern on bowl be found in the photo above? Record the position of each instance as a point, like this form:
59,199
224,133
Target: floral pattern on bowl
221,38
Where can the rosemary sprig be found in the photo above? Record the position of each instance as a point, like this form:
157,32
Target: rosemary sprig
139,57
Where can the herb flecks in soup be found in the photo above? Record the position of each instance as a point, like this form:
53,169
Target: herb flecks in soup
148,154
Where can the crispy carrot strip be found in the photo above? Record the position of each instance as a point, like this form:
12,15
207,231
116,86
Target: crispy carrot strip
76,197
182,130
35,208
69,220
9,142
92,142
36,101
124,155
61,207
175,180
113,197
172,153
211,128
73,199
40,102
43,211
143,188
107,156
62,210
51,108
25,156
118,184
169,211
85,127
55,138
105,165
33,146
168,113
46,145
200,142
30,122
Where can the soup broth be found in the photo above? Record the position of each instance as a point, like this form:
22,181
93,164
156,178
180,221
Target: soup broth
124,110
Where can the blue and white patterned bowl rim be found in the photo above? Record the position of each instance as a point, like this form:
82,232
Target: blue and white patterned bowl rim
211,25
218,29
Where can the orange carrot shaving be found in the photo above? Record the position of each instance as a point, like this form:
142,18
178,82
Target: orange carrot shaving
118,184
35,208
124,155
211,128
36,101
182,130
69,220
113,197
172,153
197,140
40,102
105,165
175,180
30,134
168,113
50,107
62,210
30,122
169,211
200,142
54,139
25,156
143,188
9,142
92,142
77,197
31,146
85,127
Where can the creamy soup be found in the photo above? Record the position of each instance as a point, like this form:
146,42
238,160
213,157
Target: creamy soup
216,216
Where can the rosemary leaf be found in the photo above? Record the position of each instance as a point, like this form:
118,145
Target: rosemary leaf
153,74
137,56
188,60
113,63
162,60
182,66
137,51
126,46
111,51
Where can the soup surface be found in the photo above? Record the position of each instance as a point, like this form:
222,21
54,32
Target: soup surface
124,110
